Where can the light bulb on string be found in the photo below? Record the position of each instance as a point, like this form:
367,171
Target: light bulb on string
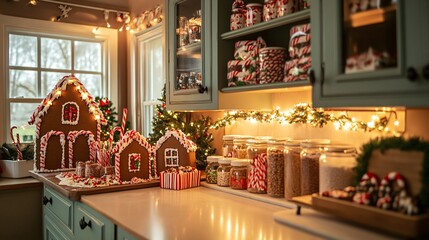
33,2
106,18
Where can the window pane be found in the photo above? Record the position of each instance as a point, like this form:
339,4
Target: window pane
92,83
19,115
87,56
22,83
56,53
22,51
153,50
49,79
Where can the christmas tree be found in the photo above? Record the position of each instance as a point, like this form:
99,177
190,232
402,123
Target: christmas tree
110,114
196,130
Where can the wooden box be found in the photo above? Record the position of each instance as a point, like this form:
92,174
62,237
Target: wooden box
407,163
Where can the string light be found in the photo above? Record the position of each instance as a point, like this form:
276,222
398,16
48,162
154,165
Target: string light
106,18
33,2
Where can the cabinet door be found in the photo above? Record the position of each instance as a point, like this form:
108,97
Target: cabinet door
370,53
53,231
121,234
189,55
89,224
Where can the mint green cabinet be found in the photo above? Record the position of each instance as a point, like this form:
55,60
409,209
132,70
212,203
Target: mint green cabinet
376,56
91,225
121,234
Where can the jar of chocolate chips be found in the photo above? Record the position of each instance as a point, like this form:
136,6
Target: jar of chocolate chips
292,151
310,154
275,168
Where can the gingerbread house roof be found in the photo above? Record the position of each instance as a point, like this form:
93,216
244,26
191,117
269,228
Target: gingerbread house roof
181,137
128,138
62,85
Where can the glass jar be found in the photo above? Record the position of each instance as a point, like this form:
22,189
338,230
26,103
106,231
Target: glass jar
276,168
227,149
240,147
336,167
238,174
253,14
224,172
80,169
211,169
310,154
257,170
292,151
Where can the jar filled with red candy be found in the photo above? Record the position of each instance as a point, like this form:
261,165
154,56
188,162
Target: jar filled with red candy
238,176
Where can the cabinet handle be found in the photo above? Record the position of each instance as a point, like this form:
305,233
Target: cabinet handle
46,200
412,74
426,72
312,77
202,89
84,224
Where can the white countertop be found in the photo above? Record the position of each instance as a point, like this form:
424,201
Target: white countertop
197,213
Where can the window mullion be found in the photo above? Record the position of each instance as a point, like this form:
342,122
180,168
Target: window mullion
39,66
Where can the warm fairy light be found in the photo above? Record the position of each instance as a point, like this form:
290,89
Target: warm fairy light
375,118
396,123
97,117
91,109
49,103
371,124
33,2
58,92
84,96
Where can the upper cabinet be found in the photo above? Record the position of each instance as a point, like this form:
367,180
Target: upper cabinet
370,53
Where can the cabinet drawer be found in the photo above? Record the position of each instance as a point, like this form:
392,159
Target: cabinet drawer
52,231
60,206
90,225
121,234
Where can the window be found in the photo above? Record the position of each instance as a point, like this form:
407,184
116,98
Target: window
38,54
171,156
134,160
149,80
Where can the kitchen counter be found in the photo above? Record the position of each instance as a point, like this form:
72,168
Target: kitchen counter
197,213
15,183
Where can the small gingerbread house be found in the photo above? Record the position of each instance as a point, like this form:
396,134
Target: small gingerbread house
132,157
68,123
174,149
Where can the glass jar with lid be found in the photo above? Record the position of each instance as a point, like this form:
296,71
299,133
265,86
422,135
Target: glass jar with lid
257,170
310,154
292,151
275,168
238,176
336,167
224,172
211,169
228,144
240,147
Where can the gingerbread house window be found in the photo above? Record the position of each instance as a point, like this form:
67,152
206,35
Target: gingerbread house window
171,157
134,161
70,113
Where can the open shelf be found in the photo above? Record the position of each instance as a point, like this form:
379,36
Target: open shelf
268,87
288,19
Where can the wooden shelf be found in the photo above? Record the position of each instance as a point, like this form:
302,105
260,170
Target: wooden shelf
188,49
272,87
369,17
288,19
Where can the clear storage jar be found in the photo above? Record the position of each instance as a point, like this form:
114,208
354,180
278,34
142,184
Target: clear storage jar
275,168
336,167
228,144
310,154
240,147
211,169
257,170
292,151
238,178
224,172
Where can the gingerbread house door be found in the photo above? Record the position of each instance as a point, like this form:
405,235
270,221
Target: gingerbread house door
52,151
81,147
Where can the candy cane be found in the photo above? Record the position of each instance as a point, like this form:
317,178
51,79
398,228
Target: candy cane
43,145
17,143
112,133
124,120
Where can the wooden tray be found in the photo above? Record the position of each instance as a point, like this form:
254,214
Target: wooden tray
387,221
74,193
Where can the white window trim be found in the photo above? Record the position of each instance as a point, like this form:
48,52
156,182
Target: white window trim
109,37
171,157
136,99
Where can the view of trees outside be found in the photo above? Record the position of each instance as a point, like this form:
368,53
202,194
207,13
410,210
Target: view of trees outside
30,81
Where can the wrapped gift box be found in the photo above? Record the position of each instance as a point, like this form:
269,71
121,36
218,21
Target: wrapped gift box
181,178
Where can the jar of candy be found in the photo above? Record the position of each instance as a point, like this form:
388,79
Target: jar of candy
285,7
292,151
240,147
80,169
253,14
238,176
257,170
224,172
211,169
336,167
310,154
270,10
183,32
228,145
276,168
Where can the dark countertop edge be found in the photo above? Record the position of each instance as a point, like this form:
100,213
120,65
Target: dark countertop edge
19,183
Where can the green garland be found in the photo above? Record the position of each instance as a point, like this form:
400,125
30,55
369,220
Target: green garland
383,144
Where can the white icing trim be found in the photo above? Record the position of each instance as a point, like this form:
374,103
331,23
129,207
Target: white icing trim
139,159
68,121
72,136
44,144
172,157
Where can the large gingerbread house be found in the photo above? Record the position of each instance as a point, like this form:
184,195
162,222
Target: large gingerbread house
132,157
68,123
174,149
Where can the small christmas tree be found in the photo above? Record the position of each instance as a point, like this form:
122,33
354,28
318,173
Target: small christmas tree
110,114
196,130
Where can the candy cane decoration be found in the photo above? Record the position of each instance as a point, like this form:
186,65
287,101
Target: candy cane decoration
44,144
17,143
124,120
258,173
112,134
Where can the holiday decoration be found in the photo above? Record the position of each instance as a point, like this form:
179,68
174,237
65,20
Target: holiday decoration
110,114
180,178
132,157
67,117
174,149
17,143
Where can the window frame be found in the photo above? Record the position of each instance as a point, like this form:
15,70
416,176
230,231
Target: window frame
32,27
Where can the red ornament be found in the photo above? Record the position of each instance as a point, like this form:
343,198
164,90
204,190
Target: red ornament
163,105
104,102
107,111
159,114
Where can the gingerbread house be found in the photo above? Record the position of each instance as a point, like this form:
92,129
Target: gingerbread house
68,123
174,149
132,157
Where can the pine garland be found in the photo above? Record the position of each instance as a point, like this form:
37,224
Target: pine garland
383,144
